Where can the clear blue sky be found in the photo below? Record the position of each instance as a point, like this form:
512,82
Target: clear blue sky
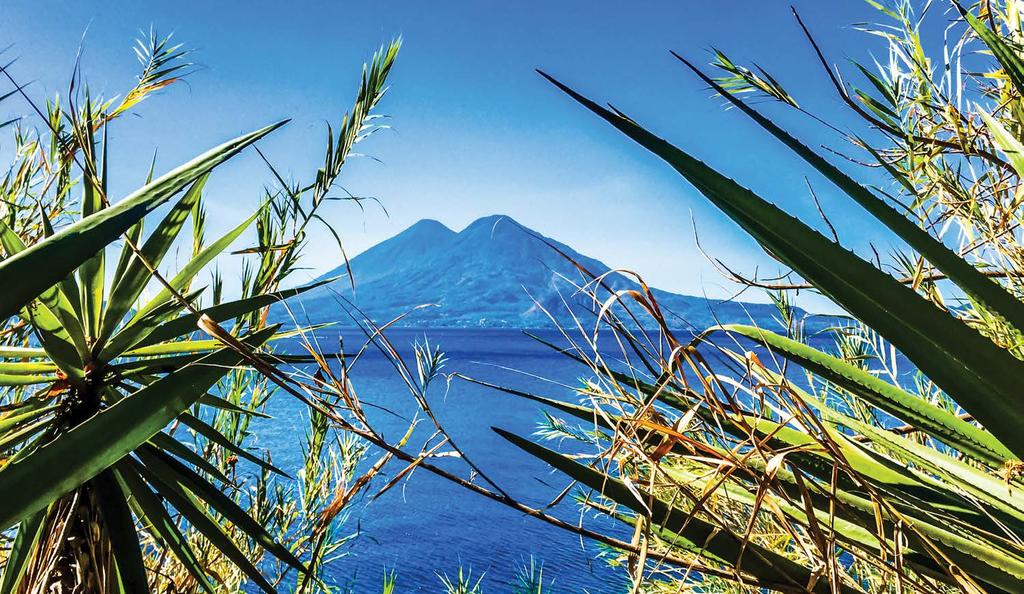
476,131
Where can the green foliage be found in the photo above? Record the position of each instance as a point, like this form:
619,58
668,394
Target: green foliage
462,583
742,476
100,380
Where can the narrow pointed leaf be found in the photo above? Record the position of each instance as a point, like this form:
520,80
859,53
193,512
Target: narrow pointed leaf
133,332
174,447
27,274
15,352
1008,57
171,470
136,274
206,430
938,423
151,509
91,274
141,326
124,541
24,368
185,347
25,380
978,375
17,436
200,518
24,415
21,551
700,536
1007,142
959,270
218,402
133,236
52,317
223,312
81,453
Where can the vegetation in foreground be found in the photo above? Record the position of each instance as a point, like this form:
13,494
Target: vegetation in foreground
850,476
817,463
129,386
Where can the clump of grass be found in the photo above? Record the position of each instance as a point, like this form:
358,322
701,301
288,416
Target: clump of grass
462,583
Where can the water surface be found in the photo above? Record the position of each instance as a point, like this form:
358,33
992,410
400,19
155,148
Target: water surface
429,526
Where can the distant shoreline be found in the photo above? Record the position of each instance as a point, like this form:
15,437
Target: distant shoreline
832,320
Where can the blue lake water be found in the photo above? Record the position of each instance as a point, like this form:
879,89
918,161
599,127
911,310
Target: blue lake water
428,526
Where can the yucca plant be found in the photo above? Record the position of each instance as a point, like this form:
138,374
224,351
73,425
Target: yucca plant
851,480
102,359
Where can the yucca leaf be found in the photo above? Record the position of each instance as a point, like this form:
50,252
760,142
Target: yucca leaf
201,520
978,375
276,359
174,447
143,325
170,470
961,477
124,541
981,558
51,317
210,400
166,364
913,410
27,367
79,454
55,340
694,533
23,415
54,299
959,270
223,312
991,563
16,436
136,274
184,347
218,402
133,236
867,464
929,495
932,496
159,523
25,380
968,533
178,347
65,322
15,352
154,365
91,274
209,432
981,485
848,532
21,551
133,331
27,274
1006,142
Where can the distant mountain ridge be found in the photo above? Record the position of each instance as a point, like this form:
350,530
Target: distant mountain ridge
493,273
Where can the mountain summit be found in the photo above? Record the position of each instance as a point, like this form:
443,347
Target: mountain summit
493,273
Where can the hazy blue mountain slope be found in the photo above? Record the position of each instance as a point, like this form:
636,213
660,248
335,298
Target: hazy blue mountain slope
493,273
